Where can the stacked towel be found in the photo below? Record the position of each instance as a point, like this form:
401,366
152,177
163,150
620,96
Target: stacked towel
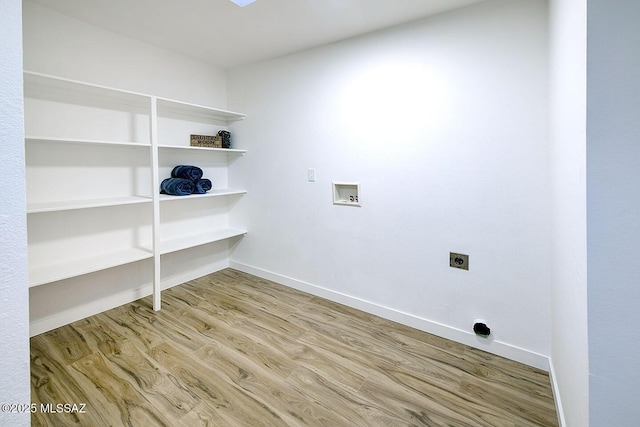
187,172
202,186
185,180
177,186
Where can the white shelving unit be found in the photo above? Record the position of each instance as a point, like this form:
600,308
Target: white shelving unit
95,158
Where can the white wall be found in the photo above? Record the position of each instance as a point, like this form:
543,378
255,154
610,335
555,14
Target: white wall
444,124
569,332
613,212
14,316
62,46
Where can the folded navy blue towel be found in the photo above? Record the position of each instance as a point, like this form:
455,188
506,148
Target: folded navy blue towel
187,172
202,186
177,187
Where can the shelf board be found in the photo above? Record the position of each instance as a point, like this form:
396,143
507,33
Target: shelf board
65,270
189,109
214,150
84,204
129,97
212,193
50,140
74,86
186,242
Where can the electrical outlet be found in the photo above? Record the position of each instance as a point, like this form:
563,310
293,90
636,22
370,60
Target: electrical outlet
458,261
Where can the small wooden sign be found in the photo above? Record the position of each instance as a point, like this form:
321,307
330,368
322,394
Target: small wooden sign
209,141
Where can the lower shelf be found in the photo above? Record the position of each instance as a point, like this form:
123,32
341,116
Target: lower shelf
85,204
54,272
42,274
186,242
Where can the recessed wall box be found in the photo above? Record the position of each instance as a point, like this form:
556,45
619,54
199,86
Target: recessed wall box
346,193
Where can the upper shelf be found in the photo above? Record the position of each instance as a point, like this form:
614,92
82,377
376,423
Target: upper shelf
40,81
44,84
50,140
209,149
195,110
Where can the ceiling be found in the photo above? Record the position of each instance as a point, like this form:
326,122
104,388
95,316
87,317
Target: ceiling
220,33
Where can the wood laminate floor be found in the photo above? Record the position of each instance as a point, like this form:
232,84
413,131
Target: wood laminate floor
231,349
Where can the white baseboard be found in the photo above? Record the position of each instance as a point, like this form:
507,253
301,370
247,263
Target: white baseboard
502,349
495,347
556,394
